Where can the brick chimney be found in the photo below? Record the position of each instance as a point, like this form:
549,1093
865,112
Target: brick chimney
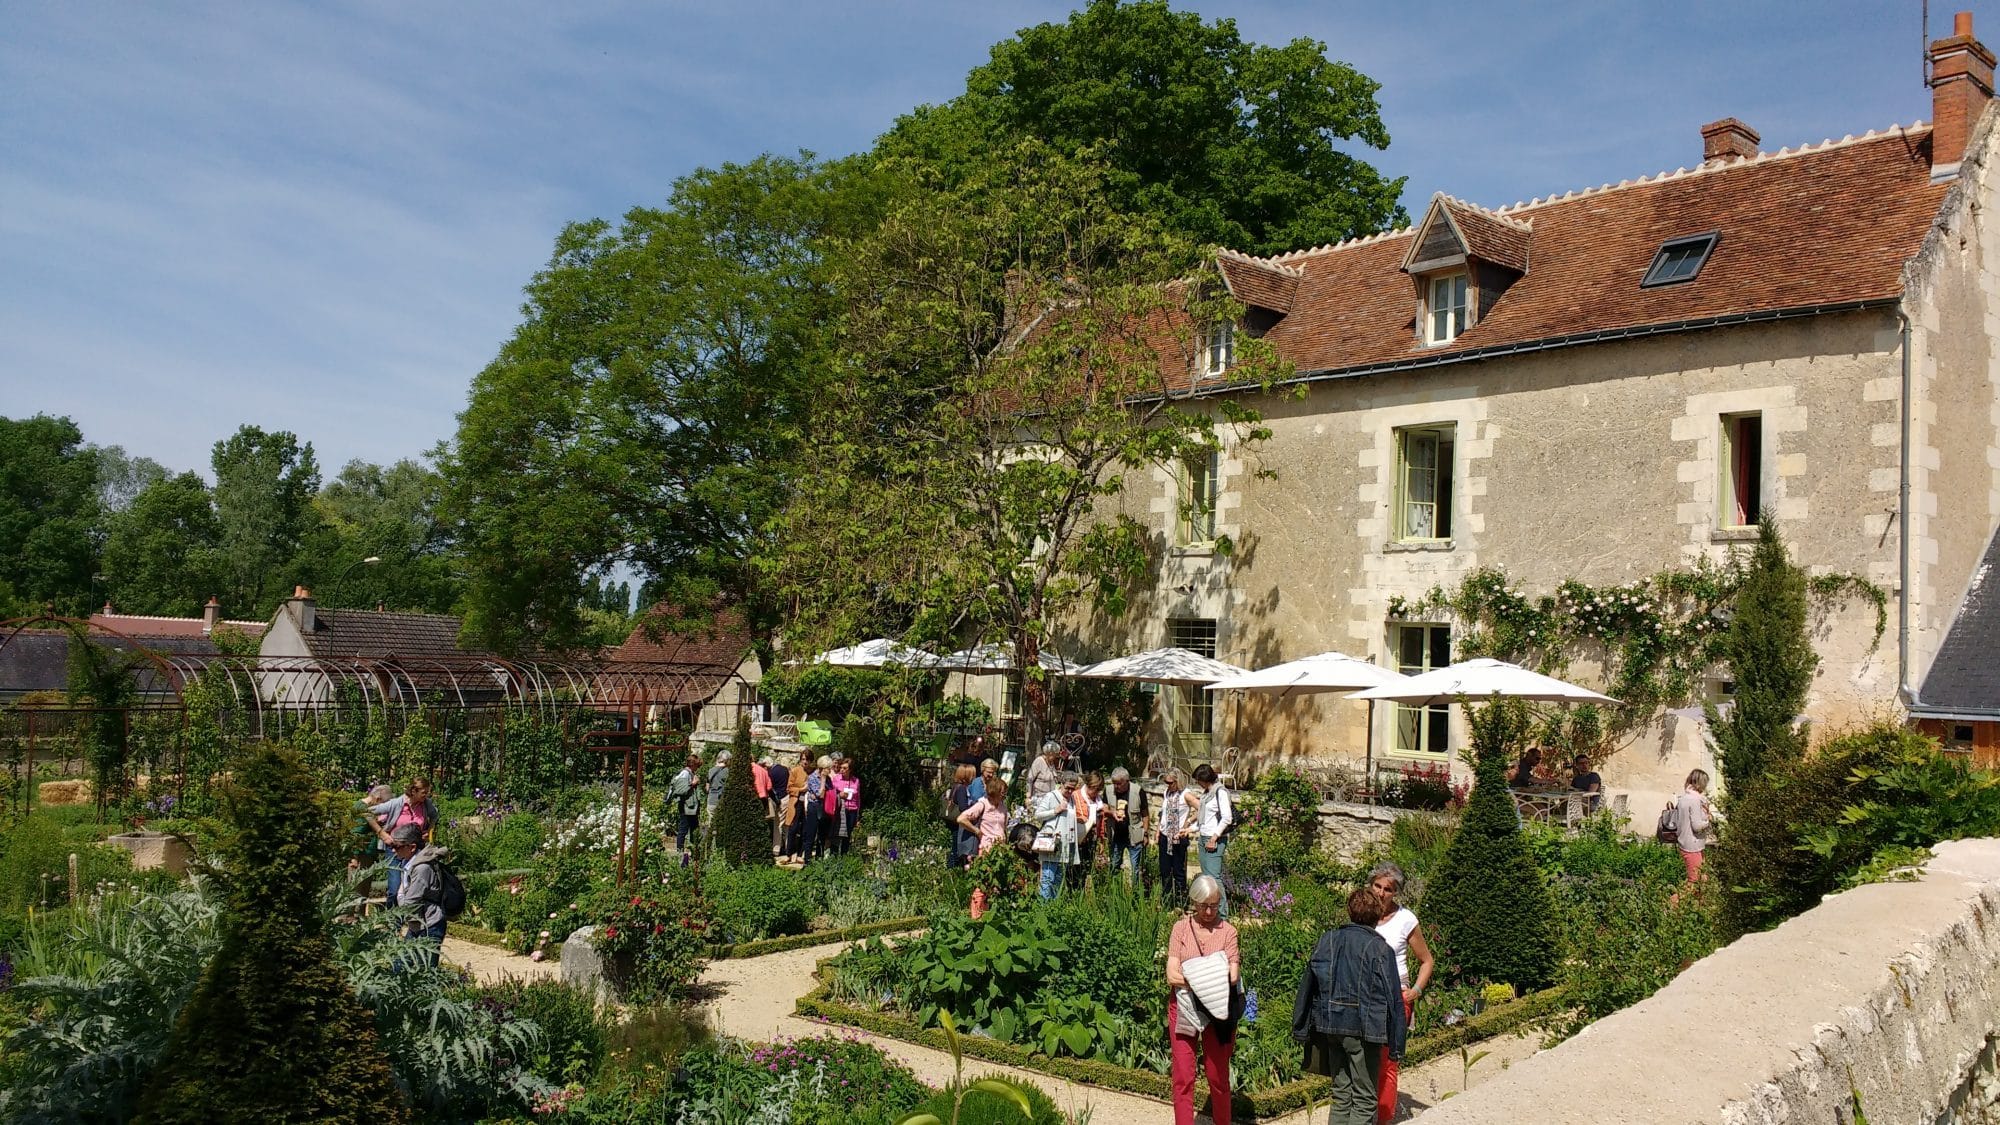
211,615
1961,85
303,610
1727,140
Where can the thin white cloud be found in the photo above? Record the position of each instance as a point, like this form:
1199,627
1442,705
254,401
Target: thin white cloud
320,217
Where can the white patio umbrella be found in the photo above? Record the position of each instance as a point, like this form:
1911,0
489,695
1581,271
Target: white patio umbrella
1327,671
1324,672
1177,667
994,658
1474,680
878,653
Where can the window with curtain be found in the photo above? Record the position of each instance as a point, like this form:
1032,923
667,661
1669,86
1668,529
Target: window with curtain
1447,309
1424,479
1422,730
1742,470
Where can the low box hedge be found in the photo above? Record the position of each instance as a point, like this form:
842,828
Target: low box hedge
822,937
1261,1105
478,936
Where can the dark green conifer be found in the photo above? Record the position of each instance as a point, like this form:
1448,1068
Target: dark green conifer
742,831
273,1033
1487,905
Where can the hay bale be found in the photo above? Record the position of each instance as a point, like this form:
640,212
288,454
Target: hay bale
77,792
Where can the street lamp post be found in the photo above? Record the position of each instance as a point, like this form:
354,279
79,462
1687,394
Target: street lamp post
371,560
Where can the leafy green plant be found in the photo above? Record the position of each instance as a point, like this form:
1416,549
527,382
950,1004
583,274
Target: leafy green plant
755,902
981,968
1015,1093
658,939
1488,904
1624,939
999,872
106,980
1802,829
573,1031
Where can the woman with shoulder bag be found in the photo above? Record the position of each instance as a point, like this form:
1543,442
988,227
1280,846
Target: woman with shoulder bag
1055,821
1207,982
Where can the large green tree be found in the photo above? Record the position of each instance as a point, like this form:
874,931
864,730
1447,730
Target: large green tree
1225,141
121,476
163,552
645,410
48,515
1011,349
393,514
264,486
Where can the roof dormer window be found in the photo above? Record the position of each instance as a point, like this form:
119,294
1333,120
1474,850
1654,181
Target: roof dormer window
1445,311
1218,348
1679,259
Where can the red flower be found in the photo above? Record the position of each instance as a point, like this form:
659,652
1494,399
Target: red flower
635,900
610,931
658,928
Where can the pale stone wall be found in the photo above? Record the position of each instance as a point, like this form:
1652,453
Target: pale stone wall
1952,294
1597,463
1889,993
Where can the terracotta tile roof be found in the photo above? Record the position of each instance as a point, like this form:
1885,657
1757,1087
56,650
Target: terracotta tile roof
1257,282
143,625
1496,238
709,652
1825,224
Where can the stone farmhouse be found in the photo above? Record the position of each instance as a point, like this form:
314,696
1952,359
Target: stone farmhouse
1598,385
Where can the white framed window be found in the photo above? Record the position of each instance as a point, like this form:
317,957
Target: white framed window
1199,474
1218,348
1424,482
1421,731
1195,707
1740,470
1446,309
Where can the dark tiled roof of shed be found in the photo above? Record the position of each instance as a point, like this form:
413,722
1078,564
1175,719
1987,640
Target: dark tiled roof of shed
378,634
1964,677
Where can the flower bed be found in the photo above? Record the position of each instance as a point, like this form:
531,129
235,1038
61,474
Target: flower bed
1248,1105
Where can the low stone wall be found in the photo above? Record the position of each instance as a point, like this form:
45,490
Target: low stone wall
1347,829
1886,995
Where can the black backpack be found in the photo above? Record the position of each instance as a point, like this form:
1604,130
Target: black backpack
449,895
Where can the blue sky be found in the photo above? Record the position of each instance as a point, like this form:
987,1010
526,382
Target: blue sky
320,217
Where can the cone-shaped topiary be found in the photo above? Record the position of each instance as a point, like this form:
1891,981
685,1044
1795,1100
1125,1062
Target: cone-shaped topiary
742,831
273,1032
1487,905
1771,658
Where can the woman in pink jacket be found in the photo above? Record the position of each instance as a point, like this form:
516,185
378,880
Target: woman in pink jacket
843,804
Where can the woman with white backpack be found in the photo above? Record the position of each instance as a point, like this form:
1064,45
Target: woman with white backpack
1206,978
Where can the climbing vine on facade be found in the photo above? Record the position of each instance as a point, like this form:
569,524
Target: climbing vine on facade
1651,642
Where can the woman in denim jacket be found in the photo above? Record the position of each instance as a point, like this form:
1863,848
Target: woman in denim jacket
1350,1005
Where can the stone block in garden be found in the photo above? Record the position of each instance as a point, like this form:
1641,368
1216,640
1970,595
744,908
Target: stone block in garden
587,970
155,851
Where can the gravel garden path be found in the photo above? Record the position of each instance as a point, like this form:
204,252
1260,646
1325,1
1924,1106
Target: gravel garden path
753,998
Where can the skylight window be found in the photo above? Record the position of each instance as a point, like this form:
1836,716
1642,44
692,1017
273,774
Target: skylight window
1679,259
